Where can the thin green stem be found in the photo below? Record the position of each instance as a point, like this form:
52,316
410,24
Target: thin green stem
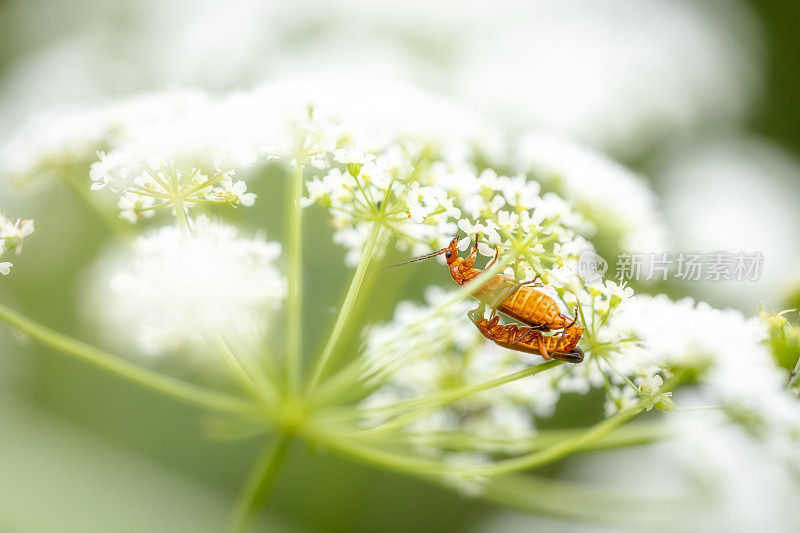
294,308
259,483
562,449
566,447
584,440
376,363
795,375
632,435
575,500
347,306
252,379
425,404
182,218
172,387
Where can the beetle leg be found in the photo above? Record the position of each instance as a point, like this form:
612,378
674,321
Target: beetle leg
574,318
529,335
533,282
560,340
477,314
469,261
543,349
496,255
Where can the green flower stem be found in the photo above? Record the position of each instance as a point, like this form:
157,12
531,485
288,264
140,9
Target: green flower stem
425,404
564,448
795,375
405,464
182,218
259,483
252,379
172,387
560,450
347,307
294,306
576,500
632,435
344,380
584,440
412,464
457,393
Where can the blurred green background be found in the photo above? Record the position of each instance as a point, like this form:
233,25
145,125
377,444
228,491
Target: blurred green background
82,451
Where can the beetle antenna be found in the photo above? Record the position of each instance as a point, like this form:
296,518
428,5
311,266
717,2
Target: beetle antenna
420,258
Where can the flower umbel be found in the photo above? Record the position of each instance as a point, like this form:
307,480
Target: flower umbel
147,183
425,393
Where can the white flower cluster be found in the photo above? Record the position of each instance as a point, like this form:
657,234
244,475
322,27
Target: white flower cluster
729,353
12,235
162,149
716,473
174,291
450,352
423,201
608,194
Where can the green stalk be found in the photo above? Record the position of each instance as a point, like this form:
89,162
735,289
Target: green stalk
425,404
412,464
347,307
251,378
166,385
355,371
632,435
562,449
294,307
409,464
795,375
576,500
182,218
259,483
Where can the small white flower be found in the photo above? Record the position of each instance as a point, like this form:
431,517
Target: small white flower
5,268
352,155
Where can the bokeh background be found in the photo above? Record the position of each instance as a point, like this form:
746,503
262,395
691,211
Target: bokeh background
699,97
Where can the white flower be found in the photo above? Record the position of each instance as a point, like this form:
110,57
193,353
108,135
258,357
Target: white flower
170,292
15,232
12,235
134,207
352,155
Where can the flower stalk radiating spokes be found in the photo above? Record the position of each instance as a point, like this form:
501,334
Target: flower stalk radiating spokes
310,418
424,394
